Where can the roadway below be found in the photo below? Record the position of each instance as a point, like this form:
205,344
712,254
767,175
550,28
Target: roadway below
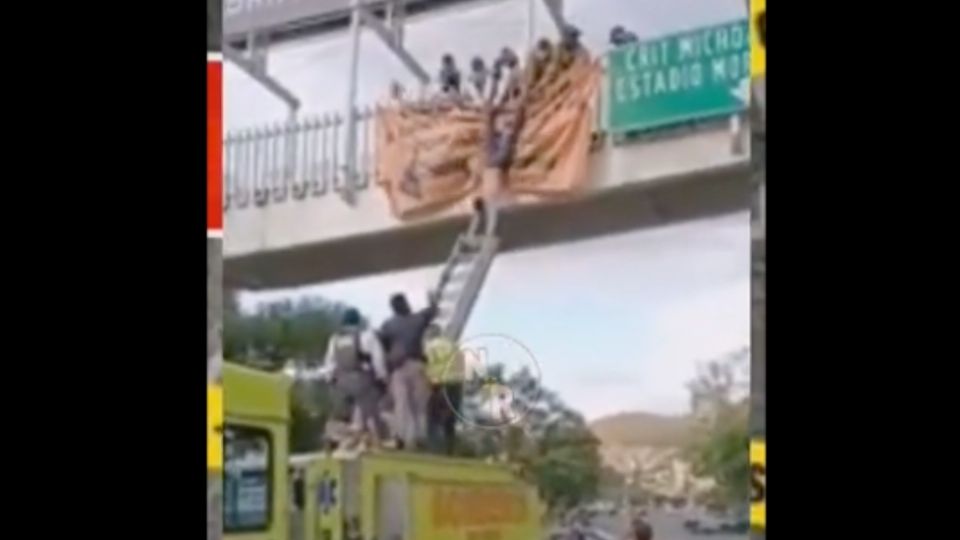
666,526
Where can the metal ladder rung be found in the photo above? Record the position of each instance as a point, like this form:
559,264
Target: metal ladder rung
464,270
462,277
470,292
456,256
450,294
464,261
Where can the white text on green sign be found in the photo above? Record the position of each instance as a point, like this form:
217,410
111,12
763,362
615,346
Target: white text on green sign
681,77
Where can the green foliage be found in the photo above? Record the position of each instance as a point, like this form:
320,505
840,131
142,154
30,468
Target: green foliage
722,448
281,332
309,406
550,445
725,457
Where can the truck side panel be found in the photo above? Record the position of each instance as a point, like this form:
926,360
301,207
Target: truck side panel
418,490
325,500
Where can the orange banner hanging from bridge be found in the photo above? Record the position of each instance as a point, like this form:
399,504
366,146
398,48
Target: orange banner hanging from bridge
430,158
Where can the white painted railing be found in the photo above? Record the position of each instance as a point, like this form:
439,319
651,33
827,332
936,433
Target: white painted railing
306,158
294,161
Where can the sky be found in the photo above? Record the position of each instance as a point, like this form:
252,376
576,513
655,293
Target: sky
615,324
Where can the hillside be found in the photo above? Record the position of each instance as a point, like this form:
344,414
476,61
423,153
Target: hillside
639,442
640,429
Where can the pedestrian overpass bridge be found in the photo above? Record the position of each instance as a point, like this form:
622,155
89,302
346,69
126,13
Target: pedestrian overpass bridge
294,216
292,219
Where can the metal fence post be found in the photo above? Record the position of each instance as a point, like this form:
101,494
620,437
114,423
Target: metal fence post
350,164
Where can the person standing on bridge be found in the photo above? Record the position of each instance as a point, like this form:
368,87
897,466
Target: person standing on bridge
449,76
540,64
506,69
503,128
619,37
571,49
478,79
402,335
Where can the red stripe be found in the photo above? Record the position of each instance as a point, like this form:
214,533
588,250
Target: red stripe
214,145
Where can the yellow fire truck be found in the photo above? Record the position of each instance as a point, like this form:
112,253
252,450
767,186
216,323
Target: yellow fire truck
375,495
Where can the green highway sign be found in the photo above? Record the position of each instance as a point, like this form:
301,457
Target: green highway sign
687,76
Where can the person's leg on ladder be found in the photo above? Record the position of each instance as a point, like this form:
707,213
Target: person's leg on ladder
492,180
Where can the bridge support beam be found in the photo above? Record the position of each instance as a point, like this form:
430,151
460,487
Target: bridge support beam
392,36
258,72
555,9
396,16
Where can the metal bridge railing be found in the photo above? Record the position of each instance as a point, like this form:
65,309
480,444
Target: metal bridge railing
306,158
297,160
302,159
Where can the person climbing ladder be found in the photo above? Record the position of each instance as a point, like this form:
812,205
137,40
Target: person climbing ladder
504,124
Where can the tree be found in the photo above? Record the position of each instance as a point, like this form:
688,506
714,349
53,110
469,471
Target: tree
547,442
309,408
722,447
278,333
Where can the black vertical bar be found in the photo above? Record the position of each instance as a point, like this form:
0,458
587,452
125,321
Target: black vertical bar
758,265
214,25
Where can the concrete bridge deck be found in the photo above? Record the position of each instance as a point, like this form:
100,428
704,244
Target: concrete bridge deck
286,241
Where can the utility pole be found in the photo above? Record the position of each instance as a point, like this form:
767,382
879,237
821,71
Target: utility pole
629,486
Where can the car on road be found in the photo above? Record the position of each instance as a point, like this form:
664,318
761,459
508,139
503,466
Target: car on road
717,524
602,508
740,526
580,533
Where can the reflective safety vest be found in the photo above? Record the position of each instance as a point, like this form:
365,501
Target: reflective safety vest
444,361
347,353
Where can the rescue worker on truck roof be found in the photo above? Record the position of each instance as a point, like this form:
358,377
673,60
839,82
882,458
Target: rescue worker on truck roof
402,336
357,361
445,371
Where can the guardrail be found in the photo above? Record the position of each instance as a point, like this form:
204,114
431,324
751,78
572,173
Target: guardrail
301,159
305,158
295,160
